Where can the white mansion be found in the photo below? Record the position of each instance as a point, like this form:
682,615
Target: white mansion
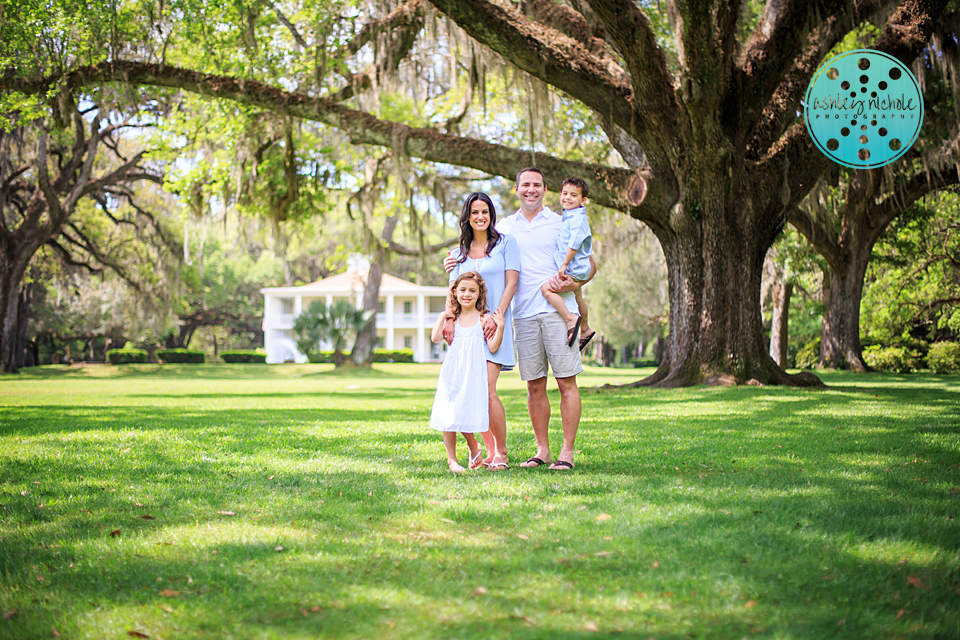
405,316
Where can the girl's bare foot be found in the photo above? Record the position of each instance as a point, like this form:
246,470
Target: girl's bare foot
475,458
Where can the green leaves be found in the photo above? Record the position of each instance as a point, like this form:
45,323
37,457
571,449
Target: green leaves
335,324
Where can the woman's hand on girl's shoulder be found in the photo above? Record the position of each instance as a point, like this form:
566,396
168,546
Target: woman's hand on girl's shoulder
498,318
449,263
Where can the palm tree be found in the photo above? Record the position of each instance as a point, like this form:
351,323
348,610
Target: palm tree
336,324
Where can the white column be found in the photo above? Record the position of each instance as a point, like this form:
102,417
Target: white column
268,302
388,315
297,305
329,300
421,325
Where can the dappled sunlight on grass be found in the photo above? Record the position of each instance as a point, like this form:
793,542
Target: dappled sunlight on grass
301,502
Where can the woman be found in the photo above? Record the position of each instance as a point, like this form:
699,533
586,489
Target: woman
497,258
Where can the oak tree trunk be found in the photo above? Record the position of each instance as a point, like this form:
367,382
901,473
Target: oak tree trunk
26,297
780,323
14,259
840,334
362,353
716,332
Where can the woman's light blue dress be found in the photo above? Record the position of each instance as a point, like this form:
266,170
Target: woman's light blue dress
504,257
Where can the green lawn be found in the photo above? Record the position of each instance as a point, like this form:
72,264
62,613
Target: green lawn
257,501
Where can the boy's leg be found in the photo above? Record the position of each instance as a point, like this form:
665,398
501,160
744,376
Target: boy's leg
557,303
585,329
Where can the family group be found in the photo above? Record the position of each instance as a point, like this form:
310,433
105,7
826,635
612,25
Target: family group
514,300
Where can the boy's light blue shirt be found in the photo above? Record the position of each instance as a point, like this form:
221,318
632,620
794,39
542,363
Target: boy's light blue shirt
575,234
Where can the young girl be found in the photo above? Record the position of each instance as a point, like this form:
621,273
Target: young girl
461,403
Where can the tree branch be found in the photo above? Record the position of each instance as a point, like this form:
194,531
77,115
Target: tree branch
904,36
766,115
574,24
548,55
84,243
788,44
69,259
433,248
403,24
654,120
916,187
816,235
610,186
289,25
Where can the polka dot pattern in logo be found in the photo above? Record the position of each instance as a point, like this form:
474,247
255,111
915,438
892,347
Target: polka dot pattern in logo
863,109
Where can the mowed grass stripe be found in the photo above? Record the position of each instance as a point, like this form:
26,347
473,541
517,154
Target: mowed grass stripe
296,501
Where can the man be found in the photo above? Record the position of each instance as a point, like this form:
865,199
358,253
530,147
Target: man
540,332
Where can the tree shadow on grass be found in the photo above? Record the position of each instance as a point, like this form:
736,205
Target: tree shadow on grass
795,517
39,421
217,371
385,394
807,581
154,370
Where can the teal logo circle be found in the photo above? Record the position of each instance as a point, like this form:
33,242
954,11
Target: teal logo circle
863,109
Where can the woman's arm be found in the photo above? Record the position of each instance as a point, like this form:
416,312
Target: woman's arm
511,278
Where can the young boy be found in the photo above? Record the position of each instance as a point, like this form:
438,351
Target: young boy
574,248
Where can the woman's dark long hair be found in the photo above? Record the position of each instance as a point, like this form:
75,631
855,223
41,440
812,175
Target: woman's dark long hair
466,231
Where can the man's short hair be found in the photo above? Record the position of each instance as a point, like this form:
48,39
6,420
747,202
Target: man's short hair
576,182
526,169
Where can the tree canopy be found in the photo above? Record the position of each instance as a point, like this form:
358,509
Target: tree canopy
699,101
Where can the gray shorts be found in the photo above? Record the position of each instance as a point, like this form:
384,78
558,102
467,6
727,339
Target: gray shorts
541,339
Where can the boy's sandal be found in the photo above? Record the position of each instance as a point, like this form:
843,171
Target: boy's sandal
572,332
498,466
561,465
584,341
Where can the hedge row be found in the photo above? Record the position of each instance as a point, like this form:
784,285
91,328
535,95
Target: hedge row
944,357
379,355
892,359
181,356
901,357
243,356
127,356
393,355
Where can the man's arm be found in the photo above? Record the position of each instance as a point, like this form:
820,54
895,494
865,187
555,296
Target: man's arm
567,284
437,334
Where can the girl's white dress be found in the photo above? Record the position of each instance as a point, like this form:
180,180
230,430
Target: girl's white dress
461,402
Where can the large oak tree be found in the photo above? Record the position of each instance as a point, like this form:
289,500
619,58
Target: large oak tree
715,154
845,231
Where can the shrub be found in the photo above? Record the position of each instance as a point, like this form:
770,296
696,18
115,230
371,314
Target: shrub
892,359
175,356
379,355
395,355
944,357
127,355
244,356
809,356
640,363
